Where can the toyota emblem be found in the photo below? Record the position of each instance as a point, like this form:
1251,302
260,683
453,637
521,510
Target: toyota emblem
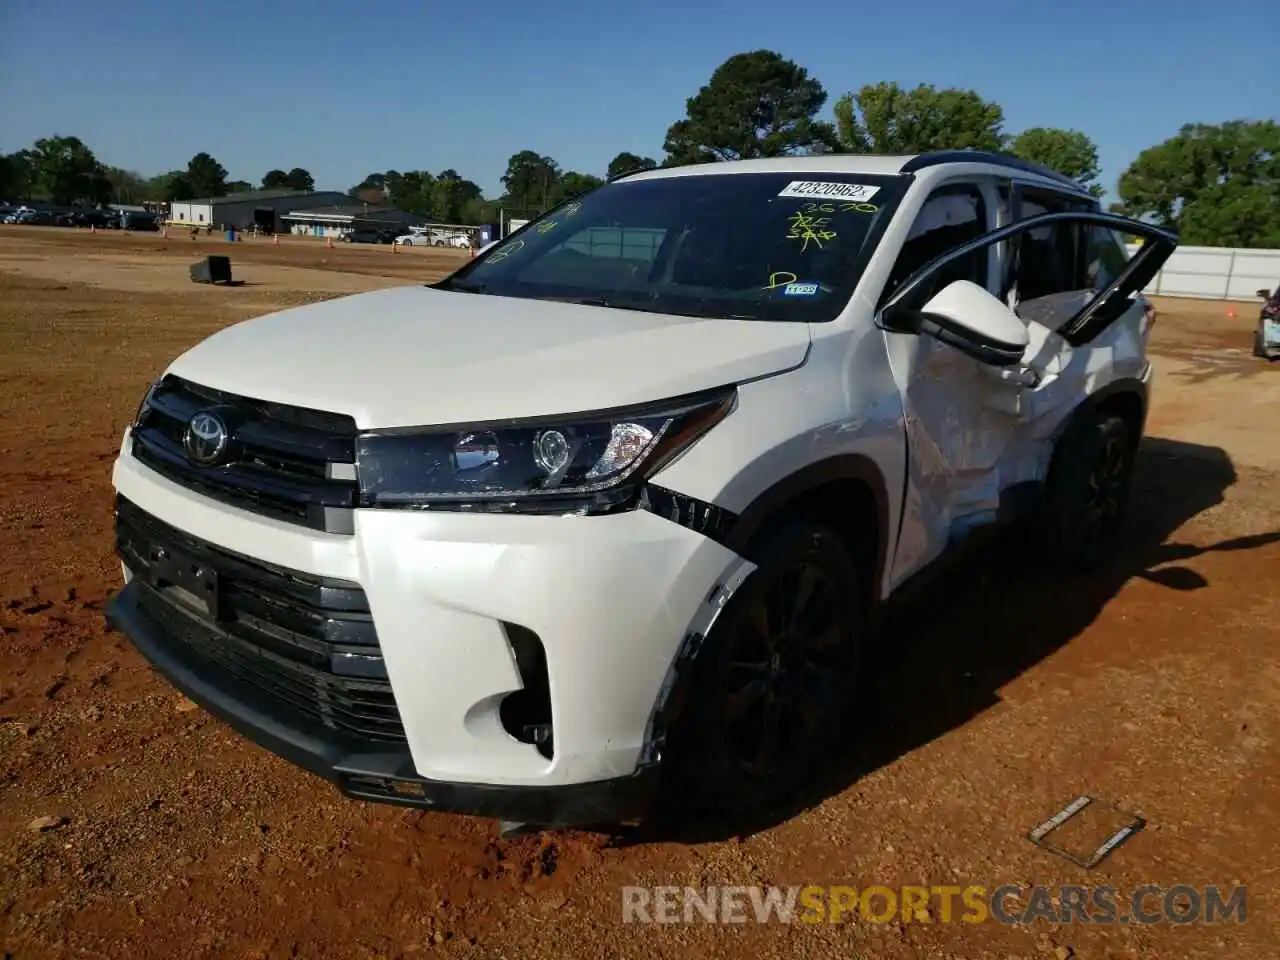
206,438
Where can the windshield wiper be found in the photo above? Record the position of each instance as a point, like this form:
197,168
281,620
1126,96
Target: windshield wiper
606,302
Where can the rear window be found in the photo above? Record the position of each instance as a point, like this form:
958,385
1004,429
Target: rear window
746,246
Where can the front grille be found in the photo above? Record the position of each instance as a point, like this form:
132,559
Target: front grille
307,643
279,459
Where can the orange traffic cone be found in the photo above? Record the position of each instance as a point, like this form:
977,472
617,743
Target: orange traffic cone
328,243
1231,312
275,239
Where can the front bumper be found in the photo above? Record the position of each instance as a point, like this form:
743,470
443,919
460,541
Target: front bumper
387,775
613,600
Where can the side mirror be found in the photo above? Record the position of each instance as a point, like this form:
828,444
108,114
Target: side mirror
965,316
1264,294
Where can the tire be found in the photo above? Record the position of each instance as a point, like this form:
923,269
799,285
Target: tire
1259,346
800,679
1087,491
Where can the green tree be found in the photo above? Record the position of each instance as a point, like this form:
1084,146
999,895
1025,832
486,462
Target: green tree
127,186
1216,184
239,186
480,210
66,171
171,186
300,179
374,181
885,118
1066,151
449,195
413,191
206,176
1234,214
16,175
628,162
757,104
531,181
275,180
572,184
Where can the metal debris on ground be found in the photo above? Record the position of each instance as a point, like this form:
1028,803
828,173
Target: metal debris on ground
1086,831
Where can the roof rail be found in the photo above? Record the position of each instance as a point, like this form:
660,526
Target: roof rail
938,157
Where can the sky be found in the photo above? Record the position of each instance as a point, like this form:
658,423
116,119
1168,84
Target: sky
344,89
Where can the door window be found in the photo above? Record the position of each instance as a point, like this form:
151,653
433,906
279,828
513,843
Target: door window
1070,278
951,216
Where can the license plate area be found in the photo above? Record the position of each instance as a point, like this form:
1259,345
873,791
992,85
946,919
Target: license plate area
1271,332
187,581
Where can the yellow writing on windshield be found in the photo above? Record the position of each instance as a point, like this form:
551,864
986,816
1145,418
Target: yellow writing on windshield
781,278
841,207
809,229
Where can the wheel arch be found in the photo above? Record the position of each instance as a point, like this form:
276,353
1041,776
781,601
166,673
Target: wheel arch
847,492
1127,397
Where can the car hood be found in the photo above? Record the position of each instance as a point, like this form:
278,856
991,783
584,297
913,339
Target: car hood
415,356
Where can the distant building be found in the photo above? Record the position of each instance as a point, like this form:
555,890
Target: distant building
336,219
245,210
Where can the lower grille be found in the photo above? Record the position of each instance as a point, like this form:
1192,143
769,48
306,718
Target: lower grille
308,643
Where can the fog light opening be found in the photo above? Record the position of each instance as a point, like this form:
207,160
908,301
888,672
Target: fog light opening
526,713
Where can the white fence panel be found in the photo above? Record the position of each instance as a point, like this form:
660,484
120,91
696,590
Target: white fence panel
1216,273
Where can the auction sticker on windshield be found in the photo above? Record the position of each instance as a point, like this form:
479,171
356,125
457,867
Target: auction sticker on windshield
824,189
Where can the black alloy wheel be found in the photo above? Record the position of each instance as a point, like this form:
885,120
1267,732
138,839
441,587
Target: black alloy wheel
1088,490
774,678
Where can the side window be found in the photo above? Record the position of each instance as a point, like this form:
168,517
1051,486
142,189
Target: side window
1105,257
1052,259
1061,267
950,217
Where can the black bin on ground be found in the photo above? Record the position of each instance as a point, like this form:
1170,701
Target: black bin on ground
212,270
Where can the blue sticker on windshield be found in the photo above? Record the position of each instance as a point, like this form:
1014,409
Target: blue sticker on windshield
801,290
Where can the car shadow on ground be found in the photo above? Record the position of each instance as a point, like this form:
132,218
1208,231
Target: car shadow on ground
941,658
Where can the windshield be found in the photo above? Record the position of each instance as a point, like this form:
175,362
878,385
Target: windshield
755,246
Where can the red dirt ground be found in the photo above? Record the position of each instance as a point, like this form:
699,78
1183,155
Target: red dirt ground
1154,684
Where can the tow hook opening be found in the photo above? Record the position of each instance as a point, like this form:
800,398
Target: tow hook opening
526,713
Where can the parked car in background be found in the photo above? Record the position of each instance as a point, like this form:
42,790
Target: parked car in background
370,235
22,215
415,240
138,221
85,218
1266,339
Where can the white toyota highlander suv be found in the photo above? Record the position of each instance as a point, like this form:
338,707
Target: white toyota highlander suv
606,513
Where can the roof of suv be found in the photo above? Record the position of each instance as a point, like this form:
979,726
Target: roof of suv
869,163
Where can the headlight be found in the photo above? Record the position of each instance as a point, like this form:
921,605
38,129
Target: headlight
578,464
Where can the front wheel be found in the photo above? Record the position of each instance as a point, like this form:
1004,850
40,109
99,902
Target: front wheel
1087,491
773,681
